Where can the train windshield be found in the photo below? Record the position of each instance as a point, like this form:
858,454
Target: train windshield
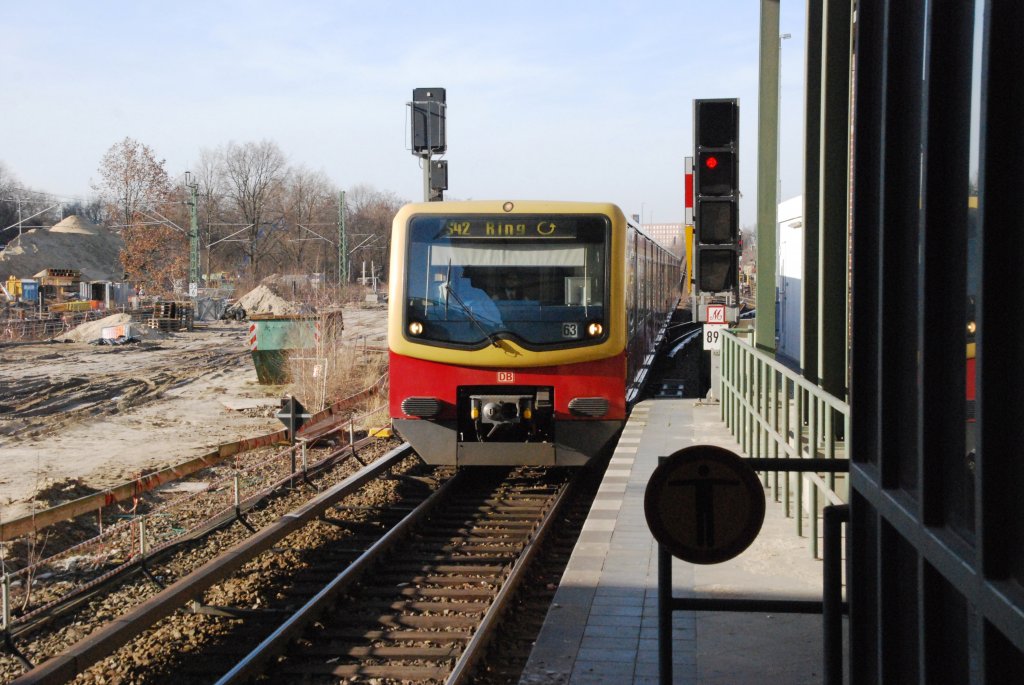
538,280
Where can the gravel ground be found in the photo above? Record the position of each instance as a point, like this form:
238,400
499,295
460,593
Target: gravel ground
159,649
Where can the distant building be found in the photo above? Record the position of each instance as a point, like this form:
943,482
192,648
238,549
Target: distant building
669,236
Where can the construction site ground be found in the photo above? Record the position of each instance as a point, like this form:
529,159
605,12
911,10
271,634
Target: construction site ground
79,417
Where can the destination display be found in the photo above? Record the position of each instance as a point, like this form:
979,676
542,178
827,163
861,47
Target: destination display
564,228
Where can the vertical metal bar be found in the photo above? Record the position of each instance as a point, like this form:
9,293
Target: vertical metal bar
737,399
726,382
773,424
664,616
834,191
740,361
426,175
762,432
723,380
142,537
866,377
745,395
751,390
832,592
830,444
787,495
787,413
812,426
810,276
814,520
744,385
798,428
238,498
767,172
785,436
825,415
727,377
305,467
5,601
799,500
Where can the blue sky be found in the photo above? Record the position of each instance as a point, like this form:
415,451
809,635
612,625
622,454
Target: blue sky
550,100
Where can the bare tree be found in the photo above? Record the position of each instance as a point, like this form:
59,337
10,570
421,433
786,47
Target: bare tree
132,181
92,209
253,174
311,215
137,195
10,188
370,213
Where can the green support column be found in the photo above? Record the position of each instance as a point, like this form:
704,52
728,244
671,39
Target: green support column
767,176
342,242
193,238
812,191
833,259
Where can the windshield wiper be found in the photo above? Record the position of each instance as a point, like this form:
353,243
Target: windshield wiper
469,313
447,286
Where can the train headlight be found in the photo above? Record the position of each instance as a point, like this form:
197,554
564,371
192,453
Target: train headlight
415,328
595,329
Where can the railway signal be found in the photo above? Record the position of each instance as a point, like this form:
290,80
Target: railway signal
428,121
429,115
716,182
292,415
438,179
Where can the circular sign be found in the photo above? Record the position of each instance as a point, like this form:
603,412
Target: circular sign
704,504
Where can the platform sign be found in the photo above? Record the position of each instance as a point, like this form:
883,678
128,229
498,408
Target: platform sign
704,504
713,336
716,314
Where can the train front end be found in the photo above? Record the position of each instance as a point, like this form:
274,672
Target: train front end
506,330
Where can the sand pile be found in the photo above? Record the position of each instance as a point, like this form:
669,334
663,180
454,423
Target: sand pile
93,330
263,300
74,243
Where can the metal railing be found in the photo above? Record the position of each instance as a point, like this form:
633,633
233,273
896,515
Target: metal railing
774,412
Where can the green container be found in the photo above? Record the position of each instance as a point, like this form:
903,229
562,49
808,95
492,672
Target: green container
273,338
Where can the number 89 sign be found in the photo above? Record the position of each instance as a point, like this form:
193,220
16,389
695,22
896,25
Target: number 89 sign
713,336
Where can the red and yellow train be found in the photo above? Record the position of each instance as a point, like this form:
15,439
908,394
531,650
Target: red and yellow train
519,332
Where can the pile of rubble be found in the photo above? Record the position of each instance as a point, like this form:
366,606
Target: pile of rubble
91,331
263,300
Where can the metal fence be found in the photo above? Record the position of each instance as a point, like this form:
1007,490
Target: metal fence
774,412
14,329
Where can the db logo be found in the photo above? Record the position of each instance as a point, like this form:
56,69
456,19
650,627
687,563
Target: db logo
506,377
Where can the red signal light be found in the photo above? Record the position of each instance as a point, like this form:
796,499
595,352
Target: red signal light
711,162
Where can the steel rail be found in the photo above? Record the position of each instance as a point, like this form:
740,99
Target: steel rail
467,661
103,642
252,664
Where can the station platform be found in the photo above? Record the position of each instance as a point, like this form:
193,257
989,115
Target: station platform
603,624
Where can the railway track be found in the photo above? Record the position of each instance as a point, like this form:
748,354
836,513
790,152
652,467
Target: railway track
421,605
436,582
132,594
